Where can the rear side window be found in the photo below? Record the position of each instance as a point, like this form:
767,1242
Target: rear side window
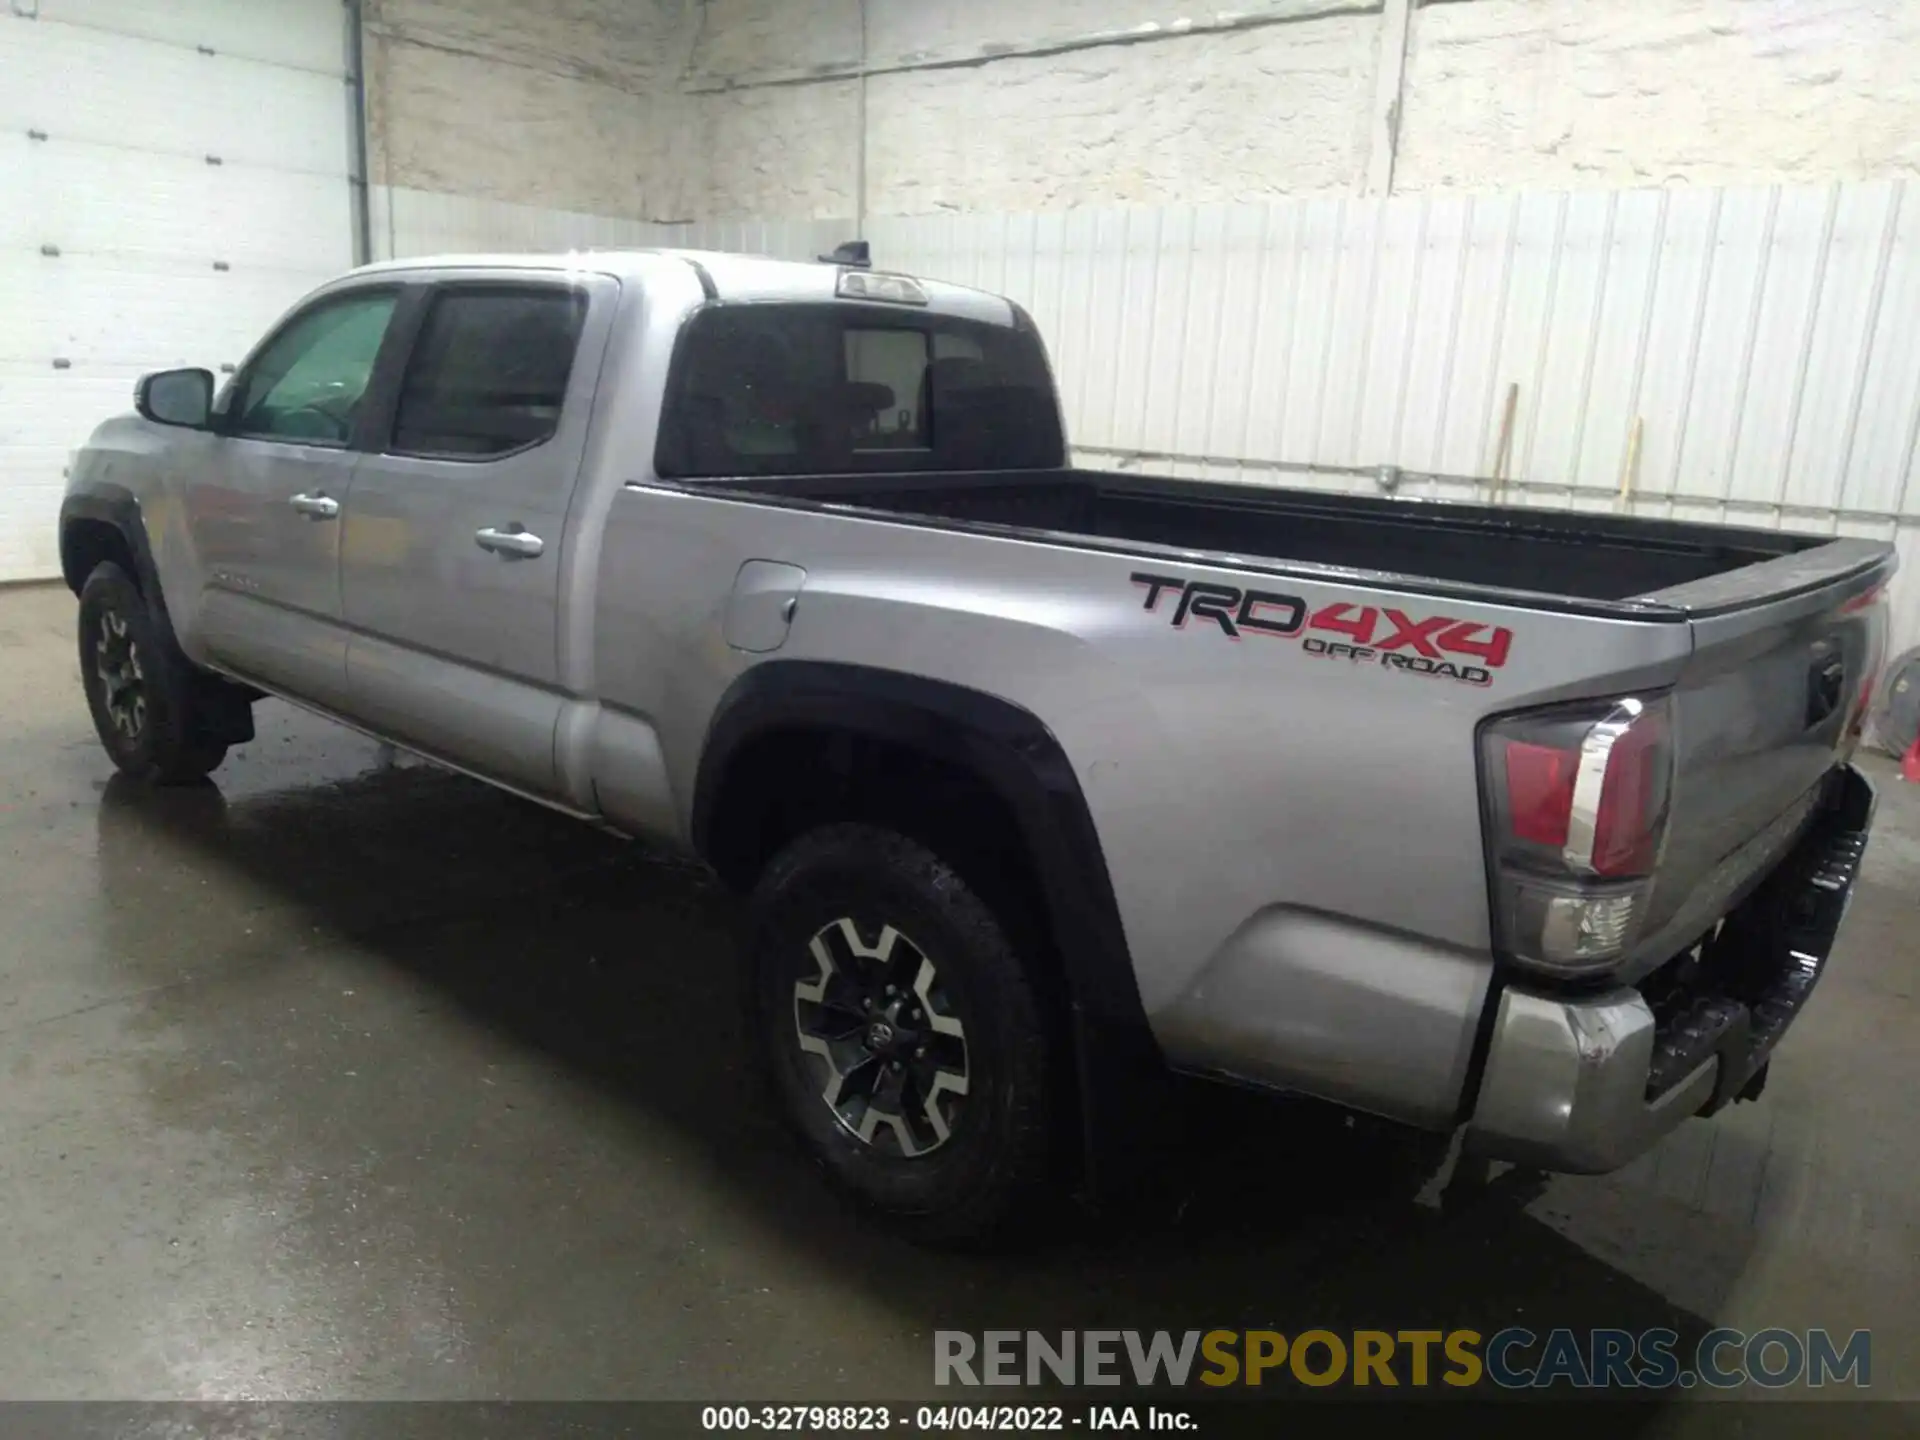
488,374
768,389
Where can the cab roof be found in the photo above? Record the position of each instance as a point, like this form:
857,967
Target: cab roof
732,276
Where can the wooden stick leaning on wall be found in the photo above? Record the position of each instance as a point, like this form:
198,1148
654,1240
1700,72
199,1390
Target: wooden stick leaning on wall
1630,467
1503,451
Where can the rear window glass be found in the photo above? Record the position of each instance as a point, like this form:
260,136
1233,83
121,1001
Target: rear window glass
489,372
833,389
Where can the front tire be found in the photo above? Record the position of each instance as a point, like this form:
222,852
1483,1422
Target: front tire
140,689
902,1035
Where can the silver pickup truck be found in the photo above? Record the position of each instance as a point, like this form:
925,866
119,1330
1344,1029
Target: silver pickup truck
1534,828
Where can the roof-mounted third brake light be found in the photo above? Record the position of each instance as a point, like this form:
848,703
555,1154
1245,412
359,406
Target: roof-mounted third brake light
871,285
858,280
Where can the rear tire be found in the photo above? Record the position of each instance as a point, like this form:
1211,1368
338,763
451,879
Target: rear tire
931,1103
140,688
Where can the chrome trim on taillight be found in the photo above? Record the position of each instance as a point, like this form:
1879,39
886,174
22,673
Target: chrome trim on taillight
1590,783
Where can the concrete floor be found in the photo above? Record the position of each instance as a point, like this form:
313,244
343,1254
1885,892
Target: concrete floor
351,1079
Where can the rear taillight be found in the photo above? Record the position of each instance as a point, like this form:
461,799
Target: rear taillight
1539,791
1577,811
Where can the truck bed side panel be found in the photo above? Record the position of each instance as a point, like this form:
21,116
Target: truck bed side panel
1233,773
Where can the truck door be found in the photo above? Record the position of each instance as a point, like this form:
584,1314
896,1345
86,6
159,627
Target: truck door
264,500
451,552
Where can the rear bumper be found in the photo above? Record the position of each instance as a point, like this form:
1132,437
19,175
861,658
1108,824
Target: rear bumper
1587,1083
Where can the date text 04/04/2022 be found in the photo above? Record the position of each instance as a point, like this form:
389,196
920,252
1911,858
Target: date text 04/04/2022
813,1419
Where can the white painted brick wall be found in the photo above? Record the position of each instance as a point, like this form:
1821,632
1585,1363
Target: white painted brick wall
621,107
789,152
620,42
567,105
739,38
906,30
1504,94
469,126
1261,113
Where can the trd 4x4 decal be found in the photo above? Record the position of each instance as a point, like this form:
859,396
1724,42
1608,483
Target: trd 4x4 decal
1375,634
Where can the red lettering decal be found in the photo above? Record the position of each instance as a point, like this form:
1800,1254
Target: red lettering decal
1420,634
1458,638
1360,627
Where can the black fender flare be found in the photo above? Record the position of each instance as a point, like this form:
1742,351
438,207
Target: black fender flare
116,506
1120,1072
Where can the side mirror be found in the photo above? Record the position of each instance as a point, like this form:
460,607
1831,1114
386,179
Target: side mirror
176,397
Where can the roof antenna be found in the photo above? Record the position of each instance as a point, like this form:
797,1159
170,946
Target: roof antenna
856,253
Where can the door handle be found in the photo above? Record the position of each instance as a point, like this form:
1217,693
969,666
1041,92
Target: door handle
316,507
512,544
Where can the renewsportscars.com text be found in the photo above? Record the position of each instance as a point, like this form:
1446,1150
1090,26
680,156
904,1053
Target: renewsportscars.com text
1511,1358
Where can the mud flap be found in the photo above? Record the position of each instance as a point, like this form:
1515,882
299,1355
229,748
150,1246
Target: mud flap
221,711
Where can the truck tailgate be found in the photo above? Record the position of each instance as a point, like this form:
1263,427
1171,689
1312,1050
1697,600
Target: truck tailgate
1784,656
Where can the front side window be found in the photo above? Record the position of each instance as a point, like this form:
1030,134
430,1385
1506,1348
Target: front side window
307,384
776,389
489,372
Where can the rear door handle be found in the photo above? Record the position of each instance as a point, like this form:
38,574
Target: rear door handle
316,507
513,544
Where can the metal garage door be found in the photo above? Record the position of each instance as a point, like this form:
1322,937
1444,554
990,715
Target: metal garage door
172,176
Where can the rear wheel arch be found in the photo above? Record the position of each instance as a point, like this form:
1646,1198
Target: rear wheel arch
798,744
790,737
